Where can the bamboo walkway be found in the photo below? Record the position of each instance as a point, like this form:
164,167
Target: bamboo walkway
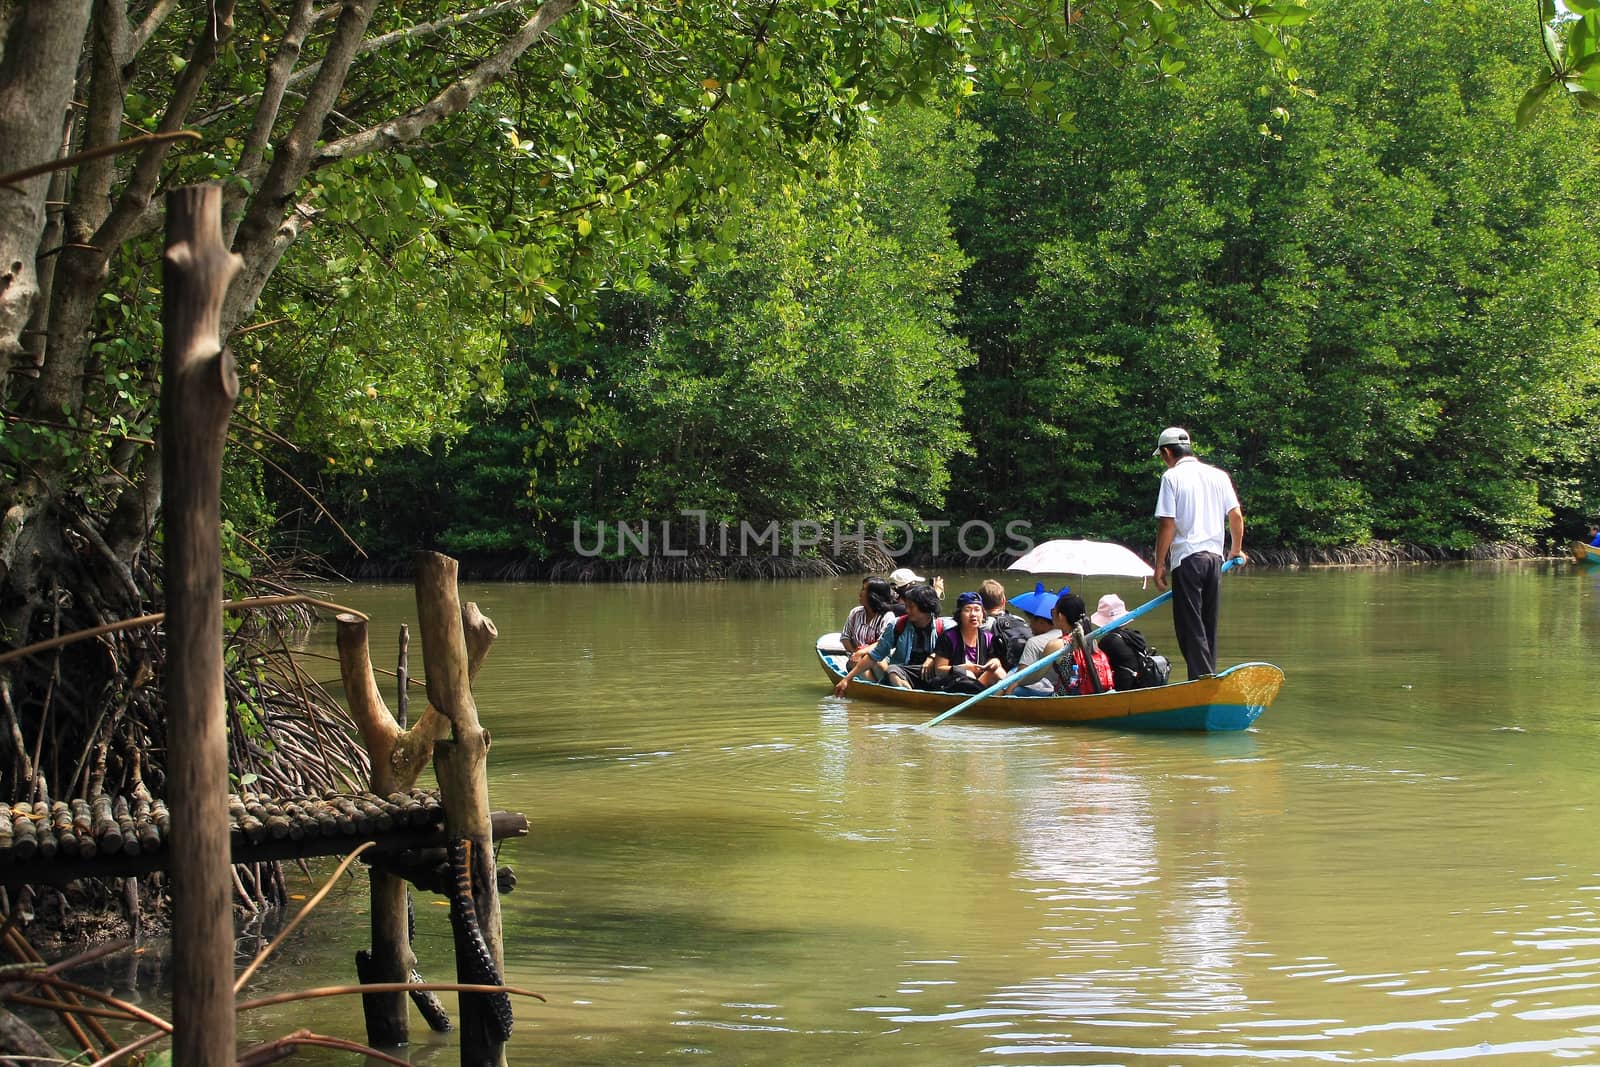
113,836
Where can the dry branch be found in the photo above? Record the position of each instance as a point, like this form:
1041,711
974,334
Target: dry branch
68,162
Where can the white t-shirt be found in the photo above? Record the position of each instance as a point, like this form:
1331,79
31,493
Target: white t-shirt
1197,497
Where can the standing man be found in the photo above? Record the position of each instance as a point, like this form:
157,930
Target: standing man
1196,503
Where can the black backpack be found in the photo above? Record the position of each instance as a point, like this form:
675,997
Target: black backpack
1011,633
1142,667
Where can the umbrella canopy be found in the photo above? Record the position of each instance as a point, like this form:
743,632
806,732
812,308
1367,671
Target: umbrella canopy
1082,557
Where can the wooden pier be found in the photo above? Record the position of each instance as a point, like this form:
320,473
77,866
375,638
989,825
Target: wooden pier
116,837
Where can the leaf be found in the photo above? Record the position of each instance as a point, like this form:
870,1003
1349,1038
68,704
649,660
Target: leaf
1286,15
1268,41
1533,100
1553,43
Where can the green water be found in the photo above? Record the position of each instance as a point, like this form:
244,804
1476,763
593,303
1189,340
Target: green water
729,865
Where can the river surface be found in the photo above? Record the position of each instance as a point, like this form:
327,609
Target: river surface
1399,863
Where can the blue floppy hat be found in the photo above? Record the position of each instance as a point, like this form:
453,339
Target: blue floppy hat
1039,602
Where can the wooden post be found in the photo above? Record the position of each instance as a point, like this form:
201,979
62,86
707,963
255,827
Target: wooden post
198,390
463,783
402,675
398,758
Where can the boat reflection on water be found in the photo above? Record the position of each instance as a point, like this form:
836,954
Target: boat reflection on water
1107,876
1145,924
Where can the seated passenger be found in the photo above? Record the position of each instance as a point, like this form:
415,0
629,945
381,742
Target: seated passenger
1011,629
904,649
1133,664
903,578
966,658
1124,659
866,621
1070,672
1037,607
1594,536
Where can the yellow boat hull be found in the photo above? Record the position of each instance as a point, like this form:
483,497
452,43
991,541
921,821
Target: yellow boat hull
1583,552
1229,700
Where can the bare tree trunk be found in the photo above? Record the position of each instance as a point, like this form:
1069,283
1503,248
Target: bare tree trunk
463,784
94,235
39,59
399,756
199,387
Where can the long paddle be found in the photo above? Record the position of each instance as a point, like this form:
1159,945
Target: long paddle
1038,665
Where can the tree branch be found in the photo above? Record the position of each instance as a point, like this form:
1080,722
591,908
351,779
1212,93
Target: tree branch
147,172
68,162
694,131
426,29
35,88
457,96
103,121
152,22
67,346
292,159
255,142
259,266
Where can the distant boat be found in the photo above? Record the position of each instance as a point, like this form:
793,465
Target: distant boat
1229,700
1584,552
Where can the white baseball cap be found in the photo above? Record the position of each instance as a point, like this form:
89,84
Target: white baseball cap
905,576
1172,435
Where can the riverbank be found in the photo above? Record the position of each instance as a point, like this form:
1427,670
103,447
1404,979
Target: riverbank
712,567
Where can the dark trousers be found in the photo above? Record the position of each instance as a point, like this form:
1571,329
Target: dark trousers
1196,585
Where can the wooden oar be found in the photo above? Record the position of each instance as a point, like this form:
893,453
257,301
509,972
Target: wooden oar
1038,665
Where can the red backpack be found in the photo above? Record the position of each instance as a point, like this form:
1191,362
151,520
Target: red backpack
1102,670
1085,685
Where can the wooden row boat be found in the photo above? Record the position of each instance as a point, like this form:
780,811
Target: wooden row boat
1584,552
1229,700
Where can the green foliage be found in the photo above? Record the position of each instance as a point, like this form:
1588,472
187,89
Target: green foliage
806,371
1331,258
1570,37
1371,304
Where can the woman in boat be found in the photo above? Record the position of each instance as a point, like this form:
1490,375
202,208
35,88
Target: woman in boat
966,657
866,621
904,649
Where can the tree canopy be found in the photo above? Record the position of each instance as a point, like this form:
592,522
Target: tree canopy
817,336
1338,262
1372,306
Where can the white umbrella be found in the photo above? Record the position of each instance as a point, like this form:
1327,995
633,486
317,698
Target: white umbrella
1082,557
